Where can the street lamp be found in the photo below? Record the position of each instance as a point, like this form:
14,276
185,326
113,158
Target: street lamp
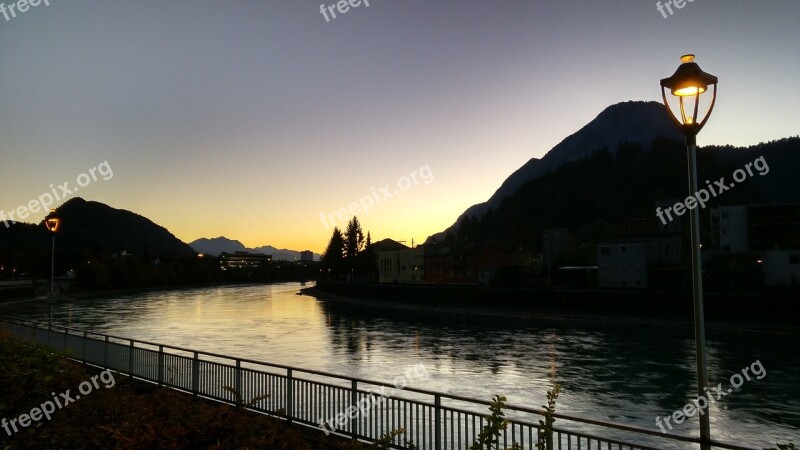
688,83
52,224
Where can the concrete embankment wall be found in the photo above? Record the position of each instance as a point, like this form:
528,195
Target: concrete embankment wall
762,307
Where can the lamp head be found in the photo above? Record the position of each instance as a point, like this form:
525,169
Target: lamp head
52,222
688,79
688,83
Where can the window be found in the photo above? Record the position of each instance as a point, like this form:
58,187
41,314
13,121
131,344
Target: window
666,249
725,215
605,251
622,250
794,259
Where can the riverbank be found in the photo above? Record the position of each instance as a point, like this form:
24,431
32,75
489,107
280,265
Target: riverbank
672,309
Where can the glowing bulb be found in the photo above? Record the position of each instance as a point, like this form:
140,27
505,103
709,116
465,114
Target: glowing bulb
687,91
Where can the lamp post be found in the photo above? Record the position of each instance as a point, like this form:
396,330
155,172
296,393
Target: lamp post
688,83
52,224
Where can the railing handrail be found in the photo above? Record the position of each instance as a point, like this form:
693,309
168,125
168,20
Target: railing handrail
523,409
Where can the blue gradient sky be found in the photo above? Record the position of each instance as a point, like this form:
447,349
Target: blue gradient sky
250,118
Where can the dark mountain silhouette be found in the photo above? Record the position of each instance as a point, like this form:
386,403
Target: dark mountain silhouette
221,244
589,195
93,227
634,122
217,245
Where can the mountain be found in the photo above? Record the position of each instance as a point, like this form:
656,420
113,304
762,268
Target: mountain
590,195
633,122
217,245
221,244
88,226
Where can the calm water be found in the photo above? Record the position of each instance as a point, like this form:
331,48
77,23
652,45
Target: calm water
622,372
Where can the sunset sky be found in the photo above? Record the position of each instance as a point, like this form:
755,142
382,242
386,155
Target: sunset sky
249,118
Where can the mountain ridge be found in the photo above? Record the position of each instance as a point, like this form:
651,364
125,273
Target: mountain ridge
633,122
220,244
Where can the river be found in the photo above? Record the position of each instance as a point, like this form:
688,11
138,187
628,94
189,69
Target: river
621,371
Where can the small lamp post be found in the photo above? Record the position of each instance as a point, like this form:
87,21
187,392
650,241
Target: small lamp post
52,224
688,83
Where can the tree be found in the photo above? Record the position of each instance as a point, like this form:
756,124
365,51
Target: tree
333,258
354,239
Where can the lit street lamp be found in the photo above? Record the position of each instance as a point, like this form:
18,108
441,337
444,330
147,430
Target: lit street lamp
687,84
52,224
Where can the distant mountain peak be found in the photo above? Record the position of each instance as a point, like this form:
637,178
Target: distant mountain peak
632,121
221,244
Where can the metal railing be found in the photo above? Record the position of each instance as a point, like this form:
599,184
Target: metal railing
432,420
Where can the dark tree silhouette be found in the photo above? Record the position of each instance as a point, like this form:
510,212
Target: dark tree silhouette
353,238
333,259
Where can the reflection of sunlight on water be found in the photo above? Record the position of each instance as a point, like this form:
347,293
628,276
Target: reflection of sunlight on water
628,374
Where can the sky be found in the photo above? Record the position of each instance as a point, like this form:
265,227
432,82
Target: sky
264,122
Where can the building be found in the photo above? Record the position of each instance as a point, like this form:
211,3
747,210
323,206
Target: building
306,256
405,265
765,236
243,260
622,264
729,229
642,254
464,264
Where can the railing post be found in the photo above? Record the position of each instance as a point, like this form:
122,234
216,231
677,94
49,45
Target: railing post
160,365
66,332
195,375
130,360
237,382
289,396
353,403
83,348
105,353
438,421
49,330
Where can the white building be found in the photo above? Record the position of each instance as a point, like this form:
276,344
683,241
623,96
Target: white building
622,264
729,229
771,231
402,266
781,268
641,249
